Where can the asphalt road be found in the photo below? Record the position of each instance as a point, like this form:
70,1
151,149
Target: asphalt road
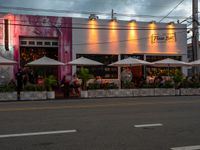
148,123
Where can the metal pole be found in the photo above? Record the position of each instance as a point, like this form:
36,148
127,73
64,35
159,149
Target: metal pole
195,36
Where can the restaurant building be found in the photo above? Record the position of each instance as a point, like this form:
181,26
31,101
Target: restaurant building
25,38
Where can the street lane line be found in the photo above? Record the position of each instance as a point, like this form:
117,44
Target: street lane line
37,133
197,147
89,106
148,125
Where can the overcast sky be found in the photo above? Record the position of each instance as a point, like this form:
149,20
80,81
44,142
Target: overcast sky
136,7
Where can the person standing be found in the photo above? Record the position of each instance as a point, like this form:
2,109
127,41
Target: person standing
76,85
19,78
64,84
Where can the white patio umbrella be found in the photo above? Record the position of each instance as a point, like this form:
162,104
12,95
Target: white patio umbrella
195,63
127,62
45,61
168,62
5,61
82,61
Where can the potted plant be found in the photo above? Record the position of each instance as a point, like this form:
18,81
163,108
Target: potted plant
84,75
178,78
7,92
50,82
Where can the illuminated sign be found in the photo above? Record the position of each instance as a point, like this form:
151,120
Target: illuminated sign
161,38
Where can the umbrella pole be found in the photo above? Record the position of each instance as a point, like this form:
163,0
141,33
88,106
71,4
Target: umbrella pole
119,77
144,72
168,70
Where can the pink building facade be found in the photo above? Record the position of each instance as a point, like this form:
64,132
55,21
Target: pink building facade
39,30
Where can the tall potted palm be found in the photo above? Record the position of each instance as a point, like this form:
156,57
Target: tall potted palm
84,75
49,82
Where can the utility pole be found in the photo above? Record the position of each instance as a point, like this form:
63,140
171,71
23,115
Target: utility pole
195,32
113,18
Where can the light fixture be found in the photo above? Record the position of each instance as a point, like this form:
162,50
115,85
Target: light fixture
171,23
114,19
152,22
93,17
133,21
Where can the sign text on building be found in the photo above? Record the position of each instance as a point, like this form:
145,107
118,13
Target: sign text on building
160,38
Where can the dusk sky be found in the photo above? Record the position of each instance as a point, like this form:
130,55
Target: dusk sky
143,8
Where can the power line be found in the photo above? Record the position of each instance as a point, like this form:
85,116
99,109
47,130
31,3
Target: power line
117,41
55,25
95,28
172,10
88,12
60,25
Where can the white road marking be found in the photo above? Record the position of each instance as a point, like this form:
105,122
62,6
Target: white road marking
148,125
37,133
197,147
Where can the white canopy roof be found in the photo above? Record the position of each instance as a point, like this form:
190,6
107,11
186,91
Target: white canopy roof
5,61
45,61
168,62
82,61
130,62
195,63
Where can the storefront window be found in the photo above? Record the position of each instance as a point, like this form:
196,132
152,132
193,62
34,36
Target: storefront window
156,58
104,71
162,71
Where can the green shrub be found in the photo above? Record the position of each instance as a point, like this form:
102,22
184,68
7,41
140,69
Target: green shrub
109,86
40,88
84,75
34,87
7,88
29,87
95,86
128,85
147,85
49,82
168,84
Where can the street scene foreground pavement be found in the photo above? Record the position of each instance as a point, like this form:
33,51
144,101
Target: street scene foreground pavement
142,123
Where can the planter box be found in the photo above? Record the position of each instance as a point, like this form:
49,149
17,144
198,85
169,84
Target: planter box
144,92
100,93
7,96
190,91
108,93
84,94
140,92
50,94
165,92
177,92
125,92
33,95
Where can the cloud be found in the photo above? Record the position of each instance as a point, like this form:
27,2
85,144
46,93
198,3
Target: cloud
137,7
